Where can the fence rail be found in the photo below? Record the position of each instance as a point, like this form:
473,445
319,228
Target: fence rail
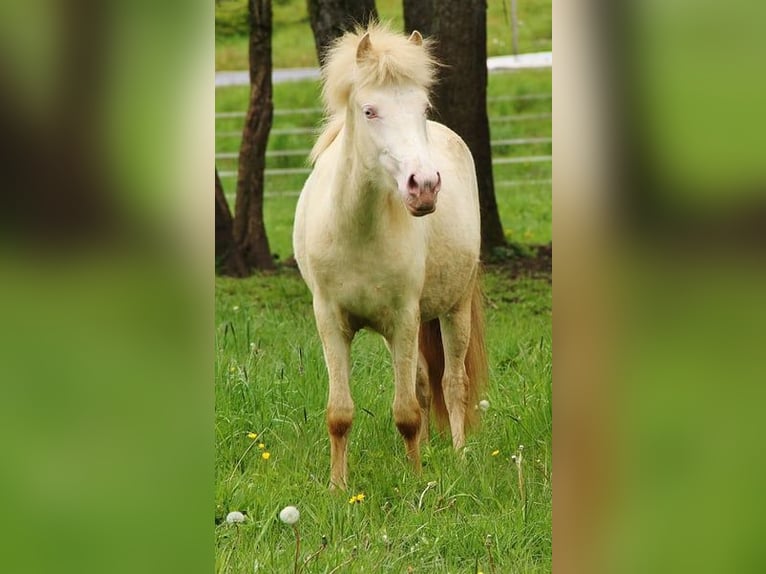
318,110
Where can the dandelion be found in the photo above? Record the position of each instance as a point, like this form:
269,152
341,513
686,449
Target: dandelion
252,436
357,498
495,452
261,445
235,517
289,515
484,405
266,455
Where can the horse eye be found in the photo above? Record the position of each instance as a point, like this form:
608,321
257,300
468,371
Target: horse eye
369,112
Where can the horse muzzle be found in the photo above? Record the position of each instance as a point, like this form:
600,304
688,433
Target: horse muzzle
421,194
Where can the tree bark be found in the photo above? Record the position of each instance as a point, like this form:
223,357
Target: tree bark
249,229
331,18
460,97
418,15
228,257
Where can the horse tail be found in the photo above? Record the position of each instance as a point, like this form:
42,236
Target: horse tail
476,368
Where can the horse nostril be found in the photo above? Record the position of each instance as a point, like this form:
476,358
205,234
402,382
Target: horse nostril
412,184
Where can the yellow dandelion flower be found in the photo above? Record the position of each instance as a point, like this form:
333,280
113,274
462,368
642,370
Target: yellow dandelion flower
357,498
360,496
265,455
261,445
252,436
495,452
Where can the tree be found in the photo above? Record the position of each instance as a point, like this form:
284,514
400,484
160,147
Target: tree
249,230
418,15
228,257
460,95
331,18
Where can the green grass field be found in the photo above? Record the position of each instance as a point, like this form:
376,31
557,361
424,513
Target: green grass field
482,512
271,381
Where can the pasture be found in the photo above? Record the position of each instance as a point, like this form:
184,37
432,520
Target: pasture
487,511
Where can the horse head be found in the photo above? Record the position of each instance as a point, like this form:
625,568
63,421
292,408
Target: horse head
389,116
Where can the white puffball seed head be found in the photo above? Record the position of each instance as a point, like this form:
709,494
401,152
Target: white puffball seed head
484,405
289,515
235,516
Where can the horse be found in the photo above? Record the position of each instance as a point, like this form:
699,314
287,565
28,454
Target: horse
387,237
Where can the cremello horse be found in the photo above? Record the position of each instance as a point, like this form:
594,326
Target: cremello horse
378,250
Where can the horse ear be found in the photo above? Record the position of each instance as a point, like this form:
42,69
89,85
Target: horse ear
416,38
364,46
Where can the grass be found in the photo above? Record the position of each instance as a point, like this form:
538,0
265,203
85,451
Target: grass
293,43
270,380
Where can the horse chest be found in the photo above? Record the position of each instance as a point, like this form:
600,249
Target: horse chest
371,287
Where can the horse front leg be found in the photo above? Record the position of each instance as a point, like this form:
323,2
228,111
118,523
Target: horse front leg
407,414
336,344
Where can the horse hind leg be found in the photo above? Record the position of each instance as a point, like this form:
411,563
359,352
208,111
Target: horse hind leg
456,333
423,393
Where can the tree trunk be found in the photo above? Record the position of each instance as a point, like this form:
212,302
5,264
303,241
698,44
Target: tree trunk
249,230
418,15
460,96
228,257
331,18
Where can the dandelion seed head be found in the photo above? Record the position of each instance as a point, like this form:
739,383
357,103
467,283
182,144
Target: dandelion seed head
235,516
484,405
289,515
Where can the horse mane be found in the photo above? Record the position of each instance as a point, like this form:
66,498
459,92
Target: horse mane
391,60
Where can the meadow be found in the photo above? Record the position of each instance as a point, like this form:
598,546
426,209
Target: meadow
487,510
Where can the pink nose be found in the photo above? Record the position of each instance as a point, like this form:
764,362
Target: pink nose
421,193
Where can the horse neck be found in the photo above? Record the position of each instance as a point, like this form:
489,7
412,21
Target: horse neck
365,197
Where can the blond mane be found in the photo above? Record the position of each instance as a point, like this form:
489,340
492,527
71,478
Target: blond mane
391,60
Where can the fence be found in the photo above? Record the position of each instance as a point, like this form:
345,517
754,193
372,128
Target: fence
287,162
